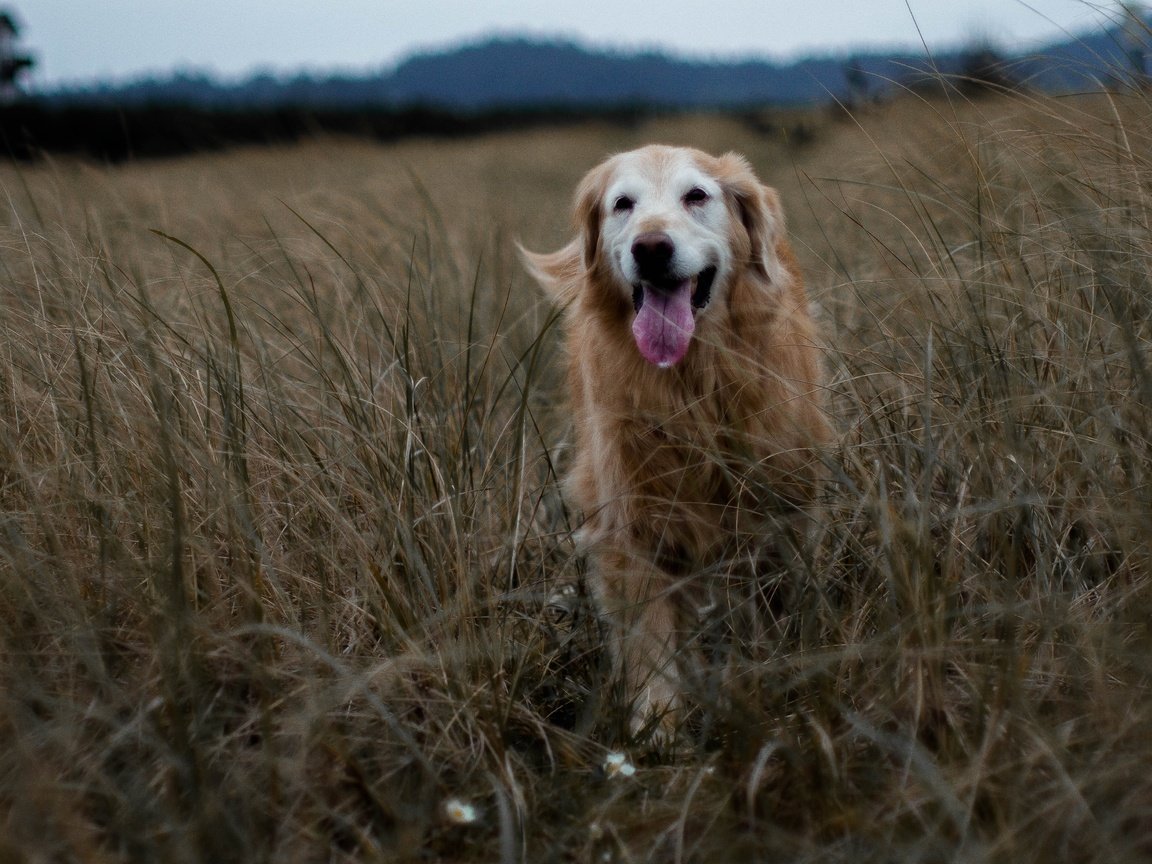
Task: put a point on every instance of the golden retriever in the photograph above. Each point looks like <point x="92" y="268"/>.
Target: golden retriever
<point x="695" y="386"/>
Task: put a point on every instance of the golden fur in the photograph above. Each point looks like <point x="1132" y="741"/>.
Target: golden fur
<point x="671" y="463"/>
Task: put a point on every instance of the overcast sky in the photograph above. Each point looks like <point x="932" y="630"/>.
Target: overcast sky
<point x="76" y="40"/>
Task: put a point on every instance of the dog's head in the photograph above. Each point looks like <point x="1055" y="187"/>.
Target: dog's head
<point x="663" y="232"/>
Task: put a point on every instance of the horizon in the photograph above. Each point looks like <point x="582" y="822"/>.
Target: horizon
<point x="232" y="45"/>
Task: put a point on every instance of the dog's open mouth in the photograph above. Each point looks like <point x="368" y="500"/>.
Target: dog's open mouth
<point x="666" y="315"/>
<point x="701" y="294"/>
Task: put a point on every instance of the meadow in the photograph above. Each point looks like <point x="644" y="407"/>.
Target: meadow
<point x="286" y="572"/>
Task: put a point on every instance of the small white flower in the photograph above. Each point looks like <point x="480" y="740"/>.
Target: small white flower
<point x="460" y="812"/>
<point x="617" y="765"/>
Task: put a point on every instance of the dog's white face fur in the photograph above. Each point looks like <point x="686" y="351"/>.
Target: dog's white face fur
<point x="666" y="235"/>
<point x="668" y="229"/>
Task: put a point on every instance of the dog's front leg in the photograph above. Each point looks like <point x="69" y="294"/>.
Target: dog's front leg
<point x="637" y="599"/>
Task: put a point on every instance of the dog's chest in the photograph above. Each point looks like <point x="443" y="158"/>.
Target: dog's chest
<point x="690" y="448"/>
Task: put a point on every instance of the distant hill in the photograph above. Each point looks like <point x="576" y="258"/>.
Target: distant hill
<point x="518" y="72"/>
<point x="1103" y="58"/>
<point x="522" y="73"/>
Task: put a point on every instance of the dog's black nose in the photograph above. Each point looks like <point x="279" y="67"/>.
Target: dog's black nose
<point x="653" y="253"/>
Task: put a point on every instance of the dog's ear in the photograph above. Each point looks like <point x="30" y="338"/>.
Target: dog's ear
<point x="559" y="273"/>
<point x="589" y="211"/>
<point x="759" y="211"/>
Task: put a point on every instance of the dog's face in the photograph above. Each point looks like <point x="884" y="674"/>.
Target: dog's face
<point x="666" y="230"/>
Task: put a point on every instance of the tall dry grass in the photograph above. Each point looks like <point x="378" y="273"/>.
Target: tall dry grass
<point x="285" y="568"/>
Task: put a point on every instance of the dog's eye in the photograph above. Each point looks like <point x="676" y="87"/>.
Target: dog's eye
<point x="623" y="204"/>
<point x="695" y="195"/>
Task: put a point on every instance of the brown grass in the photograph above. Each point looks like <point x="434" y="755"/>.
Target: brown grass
<point x="284" y="567"/>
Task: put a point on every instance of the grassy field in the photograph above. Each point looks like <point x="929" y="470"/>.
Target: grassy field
<point x="286" y="575"/>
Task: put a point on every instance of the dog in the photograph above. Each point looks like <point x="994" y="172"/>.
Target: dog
<point x="695" y="385"/>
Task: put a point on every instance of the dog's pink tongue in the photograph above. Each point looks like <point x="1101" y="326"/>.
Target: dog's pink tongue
<point x="663" y="326"/>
